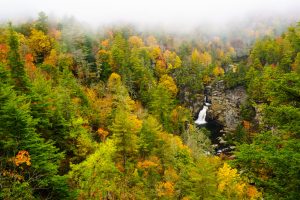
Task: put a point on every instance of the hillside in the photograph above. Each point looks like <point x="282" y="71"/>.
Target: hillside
<point x="111" y="114"/>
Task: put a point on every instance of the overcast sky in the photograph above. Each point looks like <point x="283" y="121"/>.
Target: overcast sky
<point x="148" y="12"/>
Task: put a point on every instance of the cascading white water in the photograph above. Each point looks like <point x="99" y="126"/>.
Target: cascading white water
<point x="201" y="116"/>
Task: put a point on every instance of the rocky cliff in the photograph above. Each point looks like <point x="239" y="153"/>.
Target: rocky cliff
<point x="226" y="104"/>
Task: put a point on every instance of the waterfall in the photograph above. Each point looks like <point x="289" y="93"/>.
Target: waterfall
<point x="202" y="113"/>
<point x="206" y="102"/>
<point x="201" y="116"/>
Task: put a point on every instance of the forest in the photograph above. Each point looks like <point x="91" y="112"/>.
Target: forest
<point x="110" y="114"/>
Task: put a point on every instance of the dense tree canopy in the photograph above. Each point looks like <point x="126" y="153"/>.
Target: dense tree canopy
<point x="110" y="115"/>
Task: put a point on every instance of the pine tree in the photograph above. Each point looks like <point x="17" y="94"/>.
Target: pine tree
<point x="161" y="104"/>
<point x="38" y="175"/>
<point x="125" y="128"/>
<point x="119" y="53"/>
<point x="14" y="61"/>
<point x="42" y="23"/>
<point x="149" y="136"/>
<point x="97" y="176"/>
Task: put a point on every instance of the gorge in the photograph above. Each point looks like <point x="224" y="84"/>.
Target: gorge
<point x="220" y="114"/>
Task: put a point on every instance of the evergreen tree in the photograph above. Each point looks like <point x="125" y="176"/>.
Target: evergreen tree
<point x="29" y="163"/>
<point x="161" y="104"/>
<point x="42" y="23"/>
<point x="125" y="129"/>
<point x="14" y="61"/>
<point x="119" y="53"/>
<point x="265" y="162"/>
<point x="149" y="136"/>
<point x="97" y="176"/>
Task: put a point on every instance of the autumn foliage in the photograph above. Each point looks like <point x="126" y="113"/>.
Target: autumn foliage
<point x="233" y="186"/>
<point x="109" y="114"/>
<point x="22" y="157"/>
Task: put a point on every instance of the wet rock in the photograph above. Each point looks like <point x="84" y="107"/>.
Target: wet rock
<point x="226" y="105"/>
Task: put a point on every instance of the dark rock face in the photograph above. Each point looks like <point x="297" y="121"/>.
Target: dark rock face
<point x="223" y="114"/>
<point x="226" y="105"/>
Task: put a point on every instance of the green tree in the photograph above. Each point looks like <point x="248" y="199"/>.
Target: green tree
<point x="148" y="137"/>
<point x="286" y="56"/>
<point x="141" y="76"/>
<point x="293" y="36"/>
<point x="198" y="141"/>
<point x="266" y="51"/>
<point x="265" y="163"/>
<point x="42" y="23"/>
<point x="296" y="64"/>
<point x="103" y="59"/>
<point x="14" y="61"/>
<point x="199" y="180"/>
<point x="125" y="128"/>
<point x="161" y="104"/>
<point x="97" y="177"/>
<point x="39" y="177"/>
<point x="119" y="52"/>
<point x="189" y="80"/>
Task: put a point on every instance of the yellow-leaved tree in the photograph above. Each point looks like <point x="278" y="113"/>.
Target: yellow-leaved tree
<point x="151" y="41"/>
<point x="40" y="44"/>
<point x="218" y="71"/>
<point x="195" y="58"/>
<point x="135" y="41"/>
<point x="155" y="53"/>
<point x="205" y="58"/>
<point x="160" y="67"/>
<point x="114" y="82"/>
<point x="52" y="59"/>
<point x="165" y="189"/>
<point x="167" y="82"/>
<point x="233" y="187"/>
<point x="173" y="61"/>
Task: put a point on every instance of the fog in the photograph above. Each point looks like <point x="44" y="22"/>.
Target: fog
<point x="171" y="14"/>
